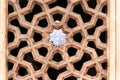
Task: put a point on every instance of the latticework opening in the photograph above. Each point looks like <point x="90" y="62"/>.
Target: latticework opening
<point x="32" y="52"/>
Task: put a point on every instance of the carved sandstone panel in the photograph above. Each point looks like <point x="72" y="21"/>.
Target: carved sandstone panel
<point x="31" y="55"/>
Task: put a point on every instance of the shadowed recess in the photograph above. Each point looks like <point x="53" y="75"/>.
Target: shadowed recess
<point x="16" y="23"/>
<point x="57" y="16"/>
<point x="43" y="23"/>
<point x="22" y="71"/>
<point x="98" y="51"/>
<point x="71" y="51"/>
<point x="10" y="8"/>
<point x="23" y="3"/>
<point x="57" y="57"/>
<point x="10" y="65"/>
<point x="10" y="36"/>
<point x="104" y="9"/>
<point x="98" y="24"/>
<point x="78" y="65"/>
<point x="29" y="58"/>
<point x="43" y="51"/>
<point x="104" y="65"/>
<point x="36" y="9"/>
<point x="77" y="37"/>
<point x="61" y="3"/>
<point x="92" y="71"/>
<point x="79" y="10"/>
<point x="71" y="23"/>
<point x="104" y="78"/>
<point x="40" y="78"/>
<point x="53" y="73"/>
<point x="92" y="3"/>
<point x="103" y="37"/>
<point x="15" y="51"/>
<point x="10" y="79"/>
<point x="37" y="37"/>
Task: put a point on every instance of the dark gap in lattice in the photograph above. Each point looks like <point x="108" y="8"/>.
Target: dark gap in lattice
<point x="10" y="79"/>
<point x="104" y="78"/>
<point x="22" y="71"/>
<point x="79" y="10"/>
<point x="61" y="3"/>
<point x="23" y="3"/>
<point x="43" y="23"/>
<point x="29" y="58"/>
<point x="10" y="8"/>
<point x="43" y="51"/>
<point x="40" y="78"/>
<point x="57" y="57"/>
<point x="37" y="37"/>
<point x="36" y="9"/>
<point x="71" y="23"/>
<point x="104" y="9"/>
<point x="77" y="37"/>
<point x="103" y="37"/>
<point x="98" y="51"/>
<point x="71" y="51"/>
<point x="53" y="73"/>
<point x="92" y="3"/>
<point x="92" y="71"/>
<point x="57" y="16"/>
<point x="71" y="78"/>
<point x="92" y="30"/>
<point x="11" y="36"/>
<point x="10" y="65"/>
<point x="15" y="51"/>
<point x="16" y="23"/>
<point x="78" y="65"/>
<point x="104" y="65"/>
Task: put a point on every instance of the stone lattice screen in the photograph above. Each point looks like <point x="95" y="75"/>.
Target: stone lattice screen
<point x="82" y="57"/>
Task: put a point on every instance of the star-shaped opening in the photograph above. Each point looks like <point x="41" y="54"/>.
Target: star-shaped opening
<point x="57" y="37"/>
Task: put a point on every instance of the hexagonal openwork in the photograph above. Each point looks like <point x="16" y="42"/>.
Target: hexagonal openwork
<point x="57" y="40"/>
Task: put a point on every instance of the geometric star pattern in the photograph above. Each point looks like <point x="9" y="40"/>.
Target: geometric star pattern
<point x="30" y="54"/>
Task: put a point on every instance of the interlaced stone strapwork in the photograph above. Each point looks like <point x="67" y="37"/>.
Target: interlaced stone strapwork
<point x="83" y="55"/>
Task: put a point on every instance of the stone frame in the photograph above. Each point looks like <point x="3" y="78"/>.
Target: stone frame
<point x="113" y="41"/>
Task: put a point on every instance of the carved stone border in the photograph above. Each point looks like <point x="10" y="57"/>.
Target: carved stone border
<point x="3" y="41"/>
<point x="112" y="49"/>
<point x="117" y="40"/>
<point x="111" y="43"/>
